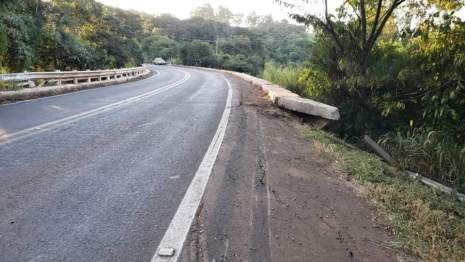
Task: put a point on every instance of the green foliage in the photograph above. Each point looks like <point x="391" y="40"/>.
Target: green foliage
<point x="431" y="153"/>
<point x="380" y="78"/>
<point x="206" y="12"/>
<point x="195" y="50"/>
<point x="238" y="63"/>
<point x="39" y="35"/>
<point x="158" y="46"/>
<point x="79" y="34"/>
<point x="362" y="63"/>
<point x="17" y="28"/>
<point x="288" y="77"/>
<point x="299" y="80"/>
<point x="284" y="42"/>
<point x="11" y="85"/>
<point x="436" y="74"/>
<point x="3" y="47"/>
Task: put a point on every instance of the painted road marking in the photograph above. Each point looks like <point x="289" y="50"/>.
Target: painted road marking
<point x="10" y="138"/>
<point x="166" y="252"/>
<point x="177" y="231"/>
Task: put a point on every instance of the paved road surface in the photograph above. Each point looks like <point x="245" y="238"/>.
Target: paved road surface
<point x="98" y="175"/>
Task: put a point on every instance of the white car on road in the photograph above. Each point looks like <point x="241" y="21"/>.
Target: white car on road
<point x="159" y="61"/>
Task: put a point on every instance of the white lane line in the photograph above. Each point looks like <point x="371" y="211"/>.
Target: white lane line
<point x="10" y="138"/>
<point x="77" y="92"/>
<point x="177" y="231"/>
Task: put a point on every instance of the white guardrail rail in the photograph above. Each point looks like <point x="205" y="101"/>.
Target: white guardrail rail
<point x="59" y="78"/>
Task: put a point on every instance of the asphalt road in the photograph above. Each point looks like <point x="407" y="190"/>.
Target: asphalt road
<point x="98" y="175"/>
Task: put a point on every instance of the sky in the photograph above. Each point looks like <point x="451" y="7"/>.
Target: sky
<point x="182" y="8"/>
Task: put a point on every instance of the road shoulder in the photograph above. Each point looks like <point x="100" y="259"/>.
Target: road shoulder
<point x="269" y="198"/>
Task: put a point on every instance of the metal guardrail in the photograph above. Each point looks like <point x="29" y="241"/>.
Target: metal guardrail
<point x="38" y="79"/>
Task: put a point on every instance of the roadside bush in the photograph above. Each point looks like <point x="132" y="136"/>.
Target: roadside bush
<point x="10" y="85"/>
<point x="238" y="63"/>
<point x="431" y="153"/>
<point x="191" y="51"/>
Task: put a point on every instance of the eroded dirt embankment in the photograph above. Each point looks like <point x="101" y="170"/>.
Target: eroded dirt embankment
<point x="269" y="198"/>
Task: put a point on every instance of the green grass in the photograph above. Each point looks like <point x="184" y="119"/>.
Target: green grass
<point x="300" y="80"/>
<point x="429" y="153"/>
<point x="290" y="78"/>
<point x="428" y="224"/>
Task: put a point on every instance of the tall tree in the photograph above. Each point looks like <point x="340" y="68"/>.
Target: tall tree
<point x="237" y="19"/>
<point x="18" y="33"/>
<point x="435" y="74"/>
<point x="266" y="21"/>
<point x="206" y="12"/>
<point x="252" y="20"/>
<point x="224" y="15"/>
<point x="196" y="51"/>
<point x="352" y="32"/>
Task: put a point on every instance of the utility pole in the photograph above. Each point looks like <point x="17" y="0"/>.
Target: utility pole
<point x="217" y="38"/>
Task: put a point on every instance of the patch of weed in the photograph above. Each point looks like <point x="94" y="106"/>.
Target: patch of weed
<point x="428" y="224"/>
<point x="10" y="85"/>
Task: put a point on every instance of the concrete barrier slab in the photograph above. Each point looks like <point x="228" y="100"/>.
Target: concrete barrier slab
<point x="308" y="106"/>
<point x="288" y="100"/>
<point x="275" y="92"/>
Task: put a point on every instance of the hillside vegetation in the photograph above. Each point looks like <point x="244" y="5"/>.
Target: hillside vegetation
<point x="396" y="71"/>
<point x="37" y="35"/>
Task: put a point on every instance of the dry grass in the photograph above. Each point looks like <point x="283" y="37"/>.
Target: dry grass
<point x="10" y="86"/>
<point x="428" y="224"/>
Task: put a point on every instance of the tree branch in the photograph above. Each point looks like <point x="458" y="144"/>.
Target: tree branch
<point x="375" y="25"/>
<point x="384" y="21"/>
<point x="363" y="14"/>
<point x="353" y="8"/>
<point x="331" y="30"/>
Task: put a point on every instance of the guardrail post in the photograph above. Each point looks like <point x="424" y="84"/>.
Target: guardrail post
<point x="31" y="83"/>
<point x="75" y="81"/>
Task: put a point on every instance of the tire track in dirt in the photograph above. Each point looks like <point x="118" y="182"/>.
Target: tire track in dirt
<point x="270" y="198"/>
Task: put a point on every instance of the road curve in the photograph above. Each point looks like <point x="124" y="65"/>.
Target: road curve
<point x="98" y="175"/>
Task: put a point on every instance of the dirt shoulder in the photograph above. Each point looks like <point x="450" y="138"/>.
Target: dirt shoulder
<point x="269" y="198"/>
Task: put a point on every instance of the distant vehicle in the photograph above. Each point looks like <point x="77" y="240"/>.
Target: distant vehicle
<point x="159" y="61"/>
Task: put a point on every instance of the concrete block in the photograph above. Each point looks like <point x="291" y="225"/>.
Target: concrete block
<point x="275" y="92"/>
<point x="308" y="106"/>
<point x="288" y="100"/>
